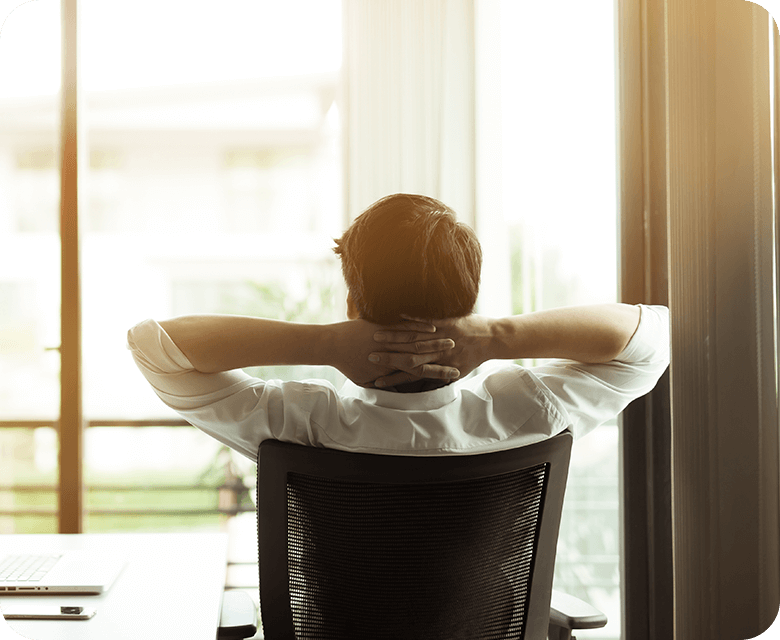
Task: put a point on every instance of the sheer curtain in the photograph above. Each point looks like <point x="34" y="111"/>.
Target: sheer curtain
<point x="421" y="100"/>
<point x="409" y="101"/>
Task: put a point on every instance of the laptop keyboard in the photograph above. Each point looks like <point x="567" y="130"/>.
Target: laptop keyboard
<point x="26" y="568"/>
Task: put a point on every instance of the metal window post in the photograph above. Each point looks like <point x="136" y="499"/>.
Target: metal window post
<point x="71" y="427"/>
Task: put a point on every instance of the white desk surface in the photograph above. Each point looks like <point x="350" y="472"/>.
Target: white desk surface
<point x="171" y="587"/>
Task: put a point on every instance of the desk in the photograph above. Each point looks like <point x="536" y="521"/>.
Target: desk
<point x="171" y="587"/>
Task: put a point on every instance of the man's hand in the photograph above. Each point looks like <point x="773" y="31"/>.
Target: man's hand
<point x="471" y="337"/>
<point x="417" y="356"/>
<point x="588" y="334"/>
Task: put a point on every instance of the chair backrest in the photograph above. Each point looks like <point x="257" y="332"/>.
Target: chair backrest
<point x="355" y="545"/>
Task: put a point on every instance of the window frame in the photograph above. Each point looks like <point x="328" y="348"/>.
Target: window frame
<point x="72" y="161"/>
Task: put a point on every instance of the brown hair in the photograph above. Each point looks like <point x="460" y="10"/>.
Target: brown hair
<point x="407" y="254"/>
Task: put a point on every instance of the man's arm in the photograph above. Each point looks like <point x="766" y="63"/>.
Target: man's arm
<point x="588" y="334"/>
<point x="216" y="343"/>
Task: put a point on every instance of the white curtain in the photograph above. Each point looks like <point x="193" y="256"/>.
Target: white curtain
<point x="421" y="100"/>
<point x="409" y="101"/>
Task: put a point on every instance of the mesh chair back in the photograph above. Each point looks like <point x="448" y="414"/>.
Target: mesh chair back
<point x="367" y="546"/>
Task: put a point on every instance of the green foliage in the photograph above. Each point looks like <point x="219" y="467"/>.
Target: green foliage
<point x="271" y="300"/>
<point x="516" y="261"/>
<point x="318" y="304"/>
<point x="540" y="282"/>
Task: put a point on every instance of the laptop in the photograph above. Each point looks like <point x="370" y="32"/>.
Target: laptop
<point x="58" y="572"/>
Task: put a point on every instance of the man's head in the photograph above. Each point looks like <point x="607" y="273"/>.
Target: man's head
<point x="407" y="254"/>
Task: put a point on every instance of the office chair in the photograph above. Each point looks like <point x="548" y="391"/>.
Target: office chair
<point x="369" y="546"/>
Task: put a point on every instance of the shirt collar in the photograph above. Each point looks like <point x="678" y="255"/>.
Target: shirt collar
<point x="424" y="400"/>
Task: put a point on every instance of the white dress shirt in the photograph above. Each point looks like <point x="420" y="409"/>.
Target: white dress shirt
<point x="500" y="406"/>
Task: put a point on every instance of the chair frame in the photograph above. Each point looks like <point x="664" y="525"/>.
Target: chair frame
<point x="277" y="459"/>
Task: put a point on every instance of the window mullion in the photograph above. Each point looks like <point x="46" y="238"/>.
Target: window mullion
<point x="71" y="427"/>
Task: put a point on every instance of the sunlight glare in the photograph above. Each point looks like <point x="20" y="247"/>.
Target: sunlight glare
<point x="164" y="42"/>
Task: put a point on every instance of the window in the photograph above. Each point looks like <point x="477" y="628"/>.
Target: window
<point x="204" y="164"/>
<point x="106" y="210"/>
<point x="559" y="205"/>
<point x="214" y="184"/>
<point x="36" y="190"/>
<point x="29" y="267"/>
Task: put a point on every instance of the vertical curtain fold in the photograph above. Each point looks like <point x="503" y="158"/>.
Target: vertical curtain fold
<point x="708" y="62"/>
<point x="645" y="425"/>
<point x="409" y="101"/>
<point x="765" y="267"/>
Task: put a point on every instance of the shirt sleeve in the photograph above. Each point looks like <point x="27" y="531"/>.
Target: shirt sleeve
<point x="171" y="374"/>
<point x="591" y="394"/>
<point x="237" y="409"/>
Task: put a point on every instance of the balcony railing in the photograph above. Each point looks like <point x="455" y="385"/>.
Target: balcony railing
<point x="229" y="495"/>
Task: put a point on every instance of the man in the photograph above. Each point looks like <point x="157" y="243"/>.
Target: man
<point x="412" y="275"/>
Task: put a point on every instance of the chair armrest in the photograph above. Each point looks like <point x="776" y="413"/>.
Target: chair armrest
<point x="569" y="612"/>
<point x="238" y="619"/>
